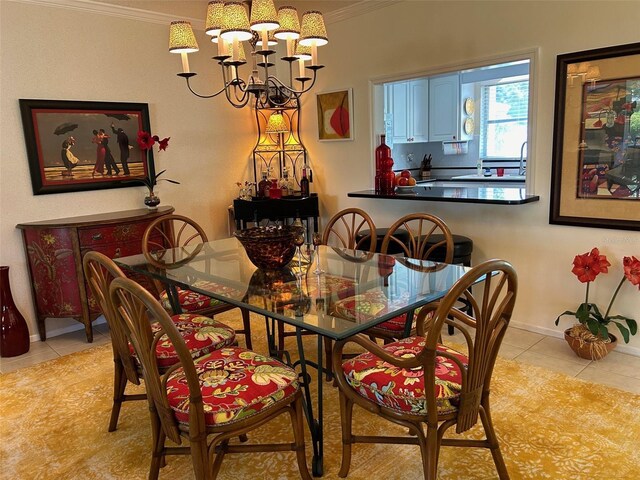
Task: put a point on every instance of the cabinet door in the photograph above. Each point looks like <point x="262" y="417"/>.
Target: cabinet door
<point x="399" y="103"/>
<point x="444" y="104"/>
<point x="419" y="110"/>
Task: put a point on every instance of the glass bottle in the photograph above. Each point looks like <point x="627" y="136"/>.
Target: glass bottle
<point x="388" y="177"/>
<point x="286" y="183"/>
<point x="262" y="185"/>
<point x="304" y="184"/>
<point x="382" y="151"/>
<point x="275" y="191"/>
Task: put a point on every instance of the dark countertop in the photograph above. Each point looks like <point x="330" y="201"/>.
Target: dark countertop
<point x="491" y="195"/>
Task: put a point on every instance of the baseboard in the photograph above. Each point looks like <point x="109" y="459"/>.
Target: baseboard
<point x="67" y="329"/>
<point x="559" y="333"/>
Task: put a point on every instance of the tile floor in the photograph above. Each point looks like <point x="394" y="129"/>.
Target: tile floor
<point x="617" y="369"/>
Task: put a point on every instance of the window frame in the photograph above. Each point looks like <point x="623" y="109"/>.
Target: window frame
<point x="484" y="122"/>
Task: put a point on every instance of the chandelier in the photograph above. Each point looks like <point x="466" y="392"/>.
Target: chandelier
<point x="230" y="27"/>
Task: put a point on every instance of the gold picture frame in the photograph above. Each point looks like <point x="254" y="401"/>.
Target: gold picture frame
<point x="335" y="115"/>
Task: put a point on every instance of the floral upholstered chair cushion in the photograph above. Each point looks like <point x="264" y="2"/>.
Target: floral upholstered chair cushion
<point x="202" y="335"/>
<point x="236" y="383"/>
<point x="401" y="389"/>
<point x="192" y="302"/>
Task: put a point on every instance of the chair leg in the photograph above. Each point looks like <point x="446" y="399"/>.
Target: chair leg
<point x="200" y="459"/>
<point x="432" y="445"/>
<point x="494" y="446"/>
<point x="246" y="326"/>
<point x="217" y="462"/>
<point x="119" y="385"/>
<point x="157" y="445"/>
<point x="298" y="432"/>
<point x="346" y="416"/>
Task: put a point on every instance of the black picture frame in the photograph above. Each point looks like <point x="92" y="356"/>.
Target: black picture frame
<point x="583" y="145"/>
<point x="48" y="125"/>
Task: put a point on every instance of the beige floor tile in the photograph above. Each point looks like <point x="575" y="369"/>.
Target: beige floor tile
<point x="35" y="348"/>
<point x="509" y="351"/>
<point x="521" y="338"/>
<point x="557" y="348"/>
<point x="103" y="328"/>
<point x="567" y="367"/>
<point x="599" y="375"/>
<point x="73" y="347"/>
<point x="618" y="363"/>
<point x="27" y="361"/>
<point x="71" y="338"/>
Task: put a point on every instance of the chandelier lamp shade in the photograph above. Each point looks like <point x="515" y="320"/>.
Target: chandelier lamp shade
<point x="230" y="26"/>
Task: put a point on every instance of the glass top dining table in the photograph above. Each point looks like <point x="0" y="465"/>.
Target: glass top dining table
<point x="334" y="292"/>
<point x="355" y="291"/>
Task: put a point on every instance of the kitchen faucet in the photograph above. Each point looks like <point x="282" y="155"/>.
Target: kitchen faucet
<point x="521" y="170"/>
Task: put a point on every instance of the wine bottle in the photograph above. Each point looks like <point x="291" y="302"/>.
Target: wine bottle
<point x="304" y="184"/>
<point x="382" y="152"/>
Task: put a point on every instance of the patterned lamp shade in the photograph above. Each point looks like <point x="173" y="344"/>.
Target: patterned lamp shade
<point x="289" y="24"/>
<point x="263" y="15"/>
<point x="235" y="22"/>
<point x="313" y="31"/>
<point x="181" y="38"/>
<point x="277" y="124"/>
<point x="302" y="52"/>
<point x="213" y="24"/>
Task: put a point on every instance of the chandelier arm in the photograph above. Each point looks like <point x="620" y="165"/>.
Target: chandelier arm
<point x="205" y="96"/>
<point x="281" y="86"/>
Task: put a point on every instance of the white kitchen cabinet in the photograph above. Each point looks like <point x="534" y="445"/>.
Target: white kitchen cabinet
<point x="408" y="103"/>
<point x="444" y="108"/>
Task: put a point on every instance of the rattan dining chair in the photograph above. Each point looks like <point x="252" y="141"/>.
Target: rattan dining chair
<point x="442" y="387"/>
<point x="172" y="240"/>
<point x="224" y="394"/>
<point x="202" y="334"/>
<point x="418" y="231"/>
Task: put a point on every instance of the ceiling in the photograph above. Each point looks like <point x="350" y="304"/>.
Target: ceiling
<point x="198" y="8"/>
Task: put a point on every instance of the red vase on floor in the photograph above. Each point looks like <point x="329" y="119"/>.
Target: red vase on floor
<point x="14" y="334"/>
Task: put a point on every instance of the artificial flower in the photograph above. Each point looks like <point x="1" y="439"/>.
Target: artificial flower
<point x="587" y="267"/>
<point x="146" y="141"/>
<point x="632" y="270"/>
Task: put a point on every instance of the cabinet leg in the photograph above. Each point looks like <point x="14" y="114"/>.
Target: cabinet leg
<point x="41" y="329"/>
<point x="89" y="331"/>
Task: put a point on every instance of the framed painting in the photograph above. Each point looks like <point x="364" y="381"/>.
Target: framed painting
<point x="335" y="115"/>
<point x="74" y="146"/>
<point x="595" y="179"/>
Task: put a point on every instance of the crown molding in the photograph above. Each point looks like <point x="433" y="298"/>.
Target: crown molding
<point x="90" y="6"/>
<point x="129" y="13"/>
<point x="359" y="8"/>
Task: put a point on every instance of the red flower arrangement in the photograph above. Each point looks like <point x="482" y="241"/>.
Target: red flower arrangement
<point x="146" y="142"/>
<point x="587" y="267"/>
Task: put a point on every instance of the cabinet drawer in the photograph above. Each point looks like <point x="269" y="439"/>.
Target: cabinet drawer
<point x="106" y="235"/>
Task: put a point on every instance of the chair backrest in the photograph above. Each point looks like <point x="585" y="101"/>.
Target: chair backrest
<point x="135" y="309"/>
<point x="484" y="328"/>
<point x="171" y="240"/>
<point x="343" y="229"/>
<point x="99" y="270"/>
<point x="421" y="228"/>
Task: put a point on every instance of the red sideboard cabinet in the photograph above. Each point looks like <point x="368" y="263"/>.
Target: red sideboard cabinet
<point x="55" y="248"/>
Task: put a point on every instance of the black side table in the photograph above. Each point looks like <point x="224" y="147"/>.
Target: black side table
<point x="280" y="209"/>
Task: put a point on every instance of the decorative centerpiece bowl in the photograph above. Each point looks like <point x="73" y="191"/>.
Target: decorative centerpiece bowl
<point x="269" y="247"/>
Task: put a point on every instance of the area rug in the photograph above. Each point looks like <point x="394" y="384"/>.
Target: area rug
<point x="54" y="420"/>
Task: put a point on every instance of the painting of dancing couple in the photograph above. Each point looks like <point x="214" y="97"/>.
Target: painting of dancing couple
<point x="75" y="146"/>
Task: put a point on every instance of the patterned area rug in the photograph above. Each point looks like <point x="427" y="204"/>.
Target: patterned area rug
<point x="54" y="416"/>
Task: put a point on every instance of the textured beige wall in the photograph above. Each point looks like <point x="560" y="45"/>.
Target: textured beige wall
<point x="423" y="36"/>
<point x="59" y="53"/>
